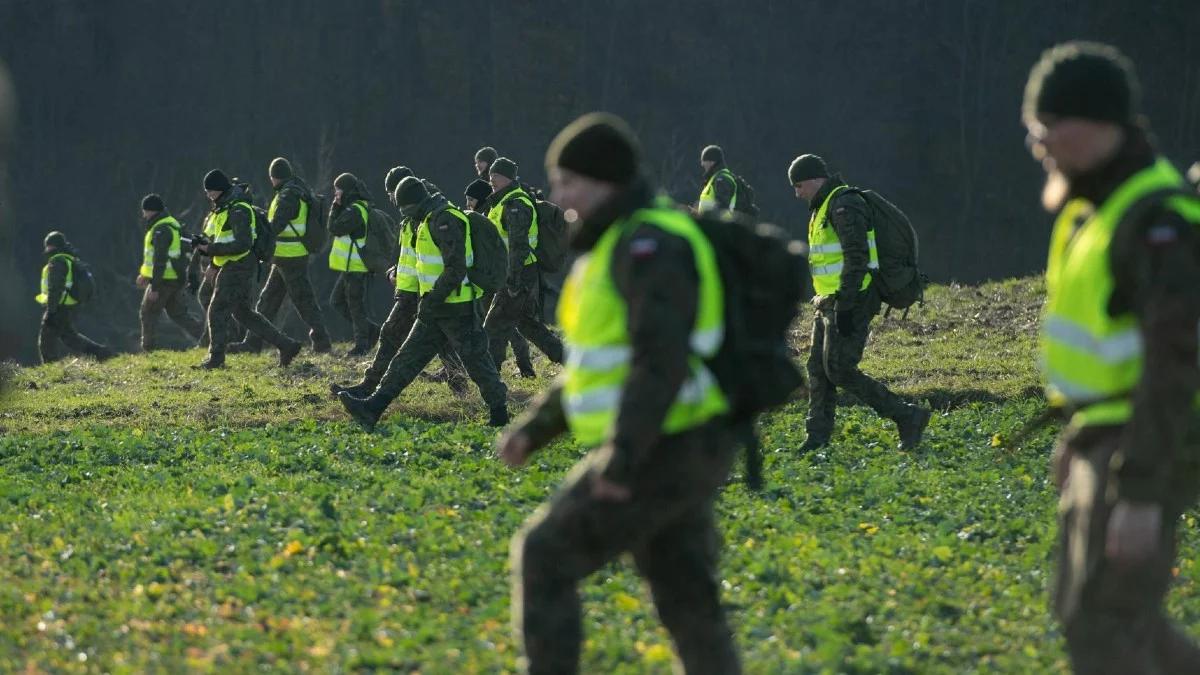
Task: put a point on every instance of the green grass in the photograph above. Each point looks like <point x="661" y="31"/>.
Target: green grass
<point x="157" y="518"/>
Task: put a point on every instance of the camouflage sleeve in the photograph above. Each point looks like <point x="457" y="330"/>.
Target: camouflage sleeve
<point x="656" y="274"/>
<point x="346" y="220"/>
<point x="286" y="210"/>
<point x="517" y="218"/>
<point x="848" y="214"/>
<point x="239" y="221"/>
<point x="161" y="241"/>
<point x="1159" y="272"/>
<point x="56" y="284"/>
<point x="724" y="188"/>
<point x="544" y="420"/>
<point x="450" y="236"/>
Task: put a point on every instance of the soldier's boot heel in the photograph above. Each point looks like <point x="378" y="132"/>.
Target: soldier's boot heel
<point x="498" y="416"/>
<point x="215" y="360"/>
<point x="288" y="353"/>
<point x="361" y="390"/>
<point x="912" y="427"/>
<point x="320" y="342"/>
<point x="366" y="412"/>
<point x="812" y="443"/>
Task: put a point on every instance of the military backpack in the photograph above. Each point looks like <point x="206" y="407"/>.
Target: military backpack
<point x="899" y="279"/>
<point x="489" y="270"/>
<point x="551" y="249"/>
<point x="382" y="247"/>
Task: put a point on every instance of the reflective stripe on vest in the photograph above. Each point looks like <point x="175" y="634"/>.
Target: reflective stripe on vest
<point x="825" y="259"/>
<point x="173" y="253"/>
<point x="215" y="228"/>
<point x="1092" y="361"/>
<point x="345" y="254"/>
<point x="288" y="244"/>
<point x="428" y="258"/>
<point x="496" y="215"/>
<point x="44" y="296"/>
<point x="593" y="316"/>
<point x="406" y="265"/>
<point x="708" y="196"/>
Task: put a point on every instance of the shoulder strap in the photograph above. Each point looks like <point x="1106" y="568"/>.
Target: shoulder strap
<point x="1149" y="202"/>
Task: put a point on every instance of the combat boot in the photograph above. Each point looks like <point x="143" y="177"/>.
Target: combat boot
<point x="498" y="416"/>
<point x="912" y="427"/>
<point x="361" y="390"/>
<point x="320" y="342"/>
<point x="365" y="411"/>
<point x="359" y="349"/>
<point x="251" y="345"/>
<point x="288" y="353"/>
<point x="215" y="360"/>
<point x="812" y="443"/>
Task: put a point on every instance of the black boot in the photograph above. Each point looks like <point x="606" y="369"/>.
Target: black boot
<point x="498" y="416"/>
<point x="912" y="427"/>
<point x="251" y="345"/>
<point x="215" y="360"/>
<point x="361" y="390"/>
<point x="365" y="411"/>
<point x="320" y="342"/>
<point x="288" y="353"/>
<point x="813" y="443"/>
<point x="360" y="349"/>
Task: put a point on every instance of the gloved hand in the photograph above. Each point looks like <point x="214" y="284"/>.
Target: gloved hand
<point x="845" y="322"/>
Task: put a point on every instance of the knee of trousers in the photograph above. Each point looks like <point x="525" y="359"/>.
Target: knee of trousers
<point x="535" y="555"/>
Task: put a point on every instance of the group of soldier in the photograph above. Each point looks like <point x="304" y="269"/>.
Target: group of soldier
<point x="638" y="314"/>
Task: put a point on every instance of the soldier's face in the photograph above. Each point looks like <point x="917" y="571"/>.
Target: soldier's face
<point x="471" y="203"/>
<point x="807" y="189"/>
<point x="276" y="182"/>
<point x="706" y="165"/>
<point x="337" y="195"/>
<point x="481" y="167"/>
<point x="147" y="215"/>
<point x="1072" y="146"/>
<point x="579" y="196"/>
<point x="212" y="195"/>
<point x="499" y="182"/>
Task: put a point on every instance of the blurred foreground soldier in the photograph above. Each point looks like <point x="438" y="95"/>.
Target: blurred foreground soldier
<point x="446" y="312"/>
<point x="842" y="259"/>
<point x="400" y="319"/>
<point x="512" y="210"/>
<point x="62" y="293"/>
<point x="348" y="220"/>
<point x="162" y="274"/>
<point x="290" y="214"/>
<point x="476" y="199"/>
<point x="640" y="310"/>
<point x="483" y="161"/>
<point x="720" y="186"/>
<point x="230" y="229"/>
<point x="1119" y="348"/>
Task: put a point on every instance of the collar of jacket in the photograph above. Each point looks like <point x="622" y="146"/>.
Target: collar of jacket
<point x="1135" y="154"/>
<point x="832" y="183"/>
<point x="585" y="234"/>
<point x="157" y="218"/>
<point x="497" y="195"/>
<point x="427" y="206"/>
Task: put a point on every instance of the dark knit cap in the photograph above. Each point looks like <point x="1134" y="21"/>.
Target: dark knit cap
<point x="479" y="190"/>
<point x="598" y="145"/>
<point x="280" y="169"/>
<point x="55" y="241"/>
<point x="216" y="180"/>
<point x="505" y="167"/>
<point x="712" y="153"/>
<point x="153" y="202"/>
<point x="410" y="192"/>
<point x="807" y="167"/>
<point x="486" y="154"/>
<point x="1086" y="80"/>
<point x="346" y="182"/>
<point x="394" y="176"/>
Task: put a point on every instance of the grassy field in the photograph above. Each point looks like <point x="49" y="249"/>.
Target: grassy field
<point x="158" y="518"/>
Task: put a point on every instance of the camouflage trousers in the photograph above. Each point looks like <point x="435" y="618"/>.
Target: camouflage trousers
<point x="667" y="525"/>
<point x="520" y="346"/>
<point x="58" y="331"/>
<point x="392" y="334"/>
<point x="349" y="298"/>
<point x="204" y="294"/>
<point x="520" y="312"/>
<point x="455" y="328"/>
<point x="1112" y="615"/>
<point x="833" y="362"/>
<point x="232" y="289"/>
<point x="170" y="298"/>
<point x="289" y="279"/>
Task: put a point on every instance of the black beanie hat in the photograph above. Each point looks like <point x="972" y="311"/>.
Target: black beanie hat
<point x="346" y="182"/>
<point x="598" y="145"/>
<point x="410" y="192"/>
<point x="153" y="202"/>
<point x="807" y="167"/>
<point x="1086" y="80"/>
<point x="216" y="180"/>
<point x="486" y="154"/>
<point x="478" y="190"/>
<point x="712" y="153"/>
<point x="505" y="167"/>
<point x="55" y="240"/>
<point x="280" y="169"/>
<point x="394" y="176"/>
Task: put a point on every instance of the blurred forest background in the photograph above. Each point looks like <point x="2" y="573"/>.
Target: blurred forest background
<point x="916" y="98"/>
